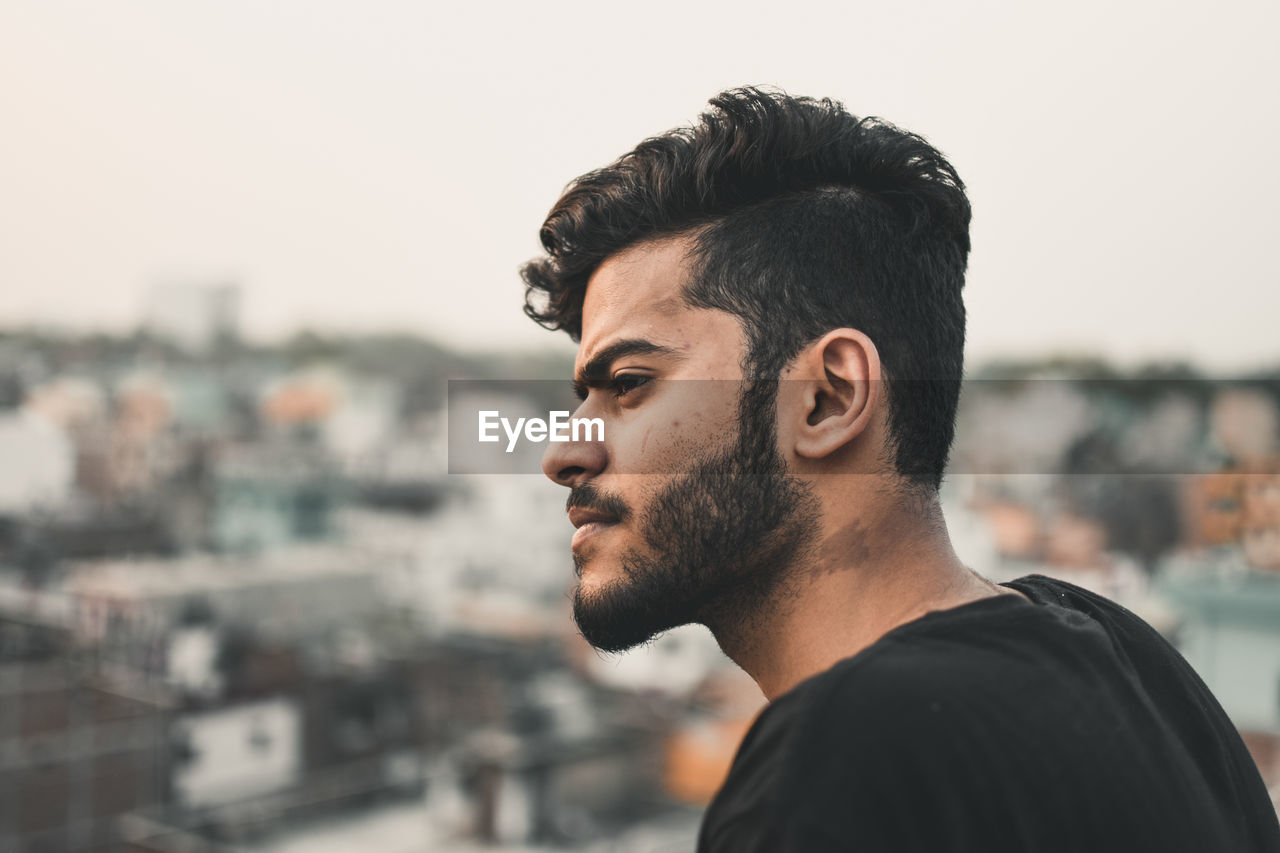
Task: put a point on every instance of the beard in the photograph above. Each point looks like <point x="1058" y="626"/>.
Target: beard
<point x="720" y="539"/>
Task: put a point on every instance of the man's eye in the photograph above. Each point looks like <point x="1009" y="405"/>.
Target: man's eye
<point x="625" y="383"/>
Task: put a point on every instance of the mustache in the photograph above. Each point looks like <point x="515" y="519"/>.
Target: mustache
<point x="588" y="496"/>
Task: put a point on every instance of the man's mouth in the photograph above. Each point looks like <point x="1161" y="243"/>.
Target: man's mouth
<point x="589" y="523"/>
<point x="580" y="515"/>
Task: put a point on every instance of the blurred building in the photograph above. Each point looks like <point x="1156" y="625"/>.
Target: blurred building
<point x="1230" y="634"/>
<point x="270" y="495"/>
<point x="39" y="469"/>
<point x="79" y="748"/>
<point x="193" y="315"/>
<point x="1239" y="506"/>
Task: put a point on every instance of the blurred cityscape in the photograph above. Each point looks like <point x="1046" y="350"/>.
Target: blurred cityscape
<point x="244" y="606"/>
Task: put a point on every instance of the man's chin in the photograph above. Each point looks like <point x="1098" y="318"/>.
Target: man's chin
<point x="615" y="617"/>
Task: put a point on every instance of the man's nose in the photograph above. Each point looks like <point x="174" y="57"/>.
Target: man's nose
<point x="572" y="462"/>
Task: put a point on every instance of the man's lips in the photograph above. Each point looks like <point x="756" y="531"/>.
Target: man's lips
<point x="589" y="523"/>
<point x="578" y="516"/>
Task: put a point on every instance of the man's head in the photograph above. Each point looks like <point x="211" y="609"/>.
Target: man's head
<point x="774" y="230"/>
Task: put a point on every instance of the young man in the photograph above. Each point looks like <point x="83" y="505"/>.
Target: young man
<point x="769" y="312"/>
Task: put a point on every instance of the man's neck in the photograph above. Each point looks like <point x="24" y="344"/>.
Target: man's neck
<point x="867" y="577"/>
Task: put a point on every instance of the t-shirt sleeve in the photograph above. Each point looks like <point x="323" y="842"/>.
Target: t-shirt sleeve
<point x="872" y="776"/>
<point x="815" y="789"/>
<point x="743" y="818"/>
<point x="749" y="832"/>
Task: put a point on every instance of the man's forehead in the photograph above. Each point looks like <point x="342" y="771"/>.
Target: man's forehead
<point x="635" y="293"/>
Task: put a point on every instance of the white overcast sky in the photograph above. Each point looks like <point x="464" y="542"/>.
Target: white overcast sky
<point x="361" y="165"/>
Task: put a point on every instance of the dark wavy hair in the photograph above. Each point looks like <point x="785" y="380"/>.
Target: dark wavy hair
<point x="805" y="218"/>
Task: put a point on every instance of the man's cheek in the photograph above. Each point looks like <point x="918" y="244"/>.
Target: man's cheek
<point x="639" y="449"/>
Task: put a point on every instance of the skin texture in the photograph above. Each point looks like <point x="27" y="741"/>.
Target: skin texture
<point x="777" y="522"/>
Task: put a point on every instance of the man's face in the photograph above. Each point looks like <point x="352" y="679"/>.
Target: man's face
<point x="686" y="511"/>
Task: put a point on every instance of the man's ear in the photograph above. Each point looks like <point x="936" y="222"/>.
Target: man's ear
<point x="840" y="390"/>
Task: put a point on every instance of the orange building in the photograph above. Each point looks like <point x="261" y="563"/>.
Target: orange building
<point x="1240" y="505"/>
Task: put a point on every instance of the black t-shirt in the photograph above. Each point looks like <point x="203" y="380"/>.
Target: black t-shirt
<point x="1067" y="724"/>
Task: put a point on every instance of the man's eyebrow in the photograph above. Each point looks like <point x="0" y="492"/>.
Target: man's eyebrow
<point x="596" y="371"/>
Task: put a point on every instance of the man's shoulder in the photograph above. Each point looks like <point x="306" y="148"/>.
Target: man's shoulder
<point x="977" y="647"/>
<point x="1003" y="650"/>
<point x="1004" y="721"/>
<point x="913" y="691"/>
<point x="867" y="730"/>
<point x="993" y="649"/>
<point x="942" y="691"/>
